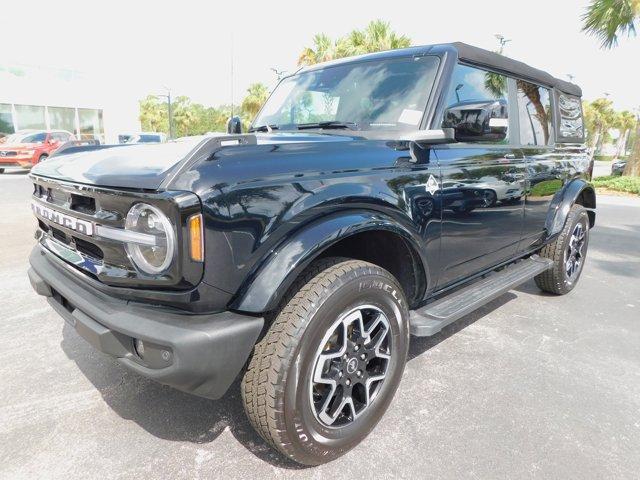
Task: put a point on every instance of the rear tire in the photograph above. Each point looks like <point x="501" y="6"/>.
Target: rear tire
<point x="568" y="252"/>
<point x="306" y="367"/>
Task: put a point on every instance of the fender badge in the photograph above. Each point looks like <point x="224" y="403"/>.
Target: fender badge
<point x="432" y="185"/>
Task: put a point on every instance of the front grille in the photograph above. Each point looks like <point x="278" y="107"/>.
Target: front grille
<point x="83" y="204"/>
<point x="88" y="248"/>
<point x="106" y="259"/>
<point x="59" y="235"/>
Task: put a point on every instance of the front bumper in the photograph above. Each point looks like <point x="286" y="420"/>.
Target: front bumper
<point x="8" y="165"/>
<point x="199" y="354"/>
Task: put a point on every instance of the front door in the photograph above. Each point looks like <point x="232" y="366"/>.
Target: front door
<point x="482" y="185"/>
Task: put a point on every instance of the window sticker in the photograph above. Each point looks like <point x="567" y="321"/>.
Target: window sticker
<point x="410" y="117"/>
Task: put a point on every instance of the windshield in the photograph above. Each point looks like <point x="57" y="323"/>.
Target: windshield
<point x="381" y="94"/>
<point x="26" y="138"/>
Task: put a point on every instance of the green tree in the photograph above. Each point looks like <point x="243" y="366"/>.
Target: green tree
<point x="153" y="115"/>
<point x="375" y="37"/>
<point x="625" y="122"/>
<point x="257" y="94"/>
<point x="607" y="20"/>
<point x="323" y="49"/>
<point x="599" y="117"/>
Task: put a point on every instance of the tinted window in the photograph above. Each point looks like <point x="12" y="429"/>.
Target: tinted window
<point x="149" y="139"/>
<point x="571" y="124"/>
<point x="36" y="138"/>
<point x="60" y="136"/>
<point x="534" y="111"/>
<point x="470" y="86"/>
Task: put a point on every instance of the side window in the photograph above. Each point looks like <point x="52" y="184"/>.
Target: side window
<point x="534" y="111"/>
<point x="472" y="88"/>
<point x="571" y="123"/>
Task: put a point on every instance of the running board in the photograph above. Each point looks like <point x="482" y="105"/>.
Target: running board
<point x="433" y="317"/>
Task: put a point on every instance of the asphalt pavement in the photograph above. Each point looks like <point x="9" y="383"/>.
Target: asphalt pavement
<point x="530" y="386"/>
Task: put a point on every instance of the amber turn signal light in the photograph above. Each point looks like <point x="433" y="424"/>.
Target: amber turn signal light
<point x="196" y="238"/>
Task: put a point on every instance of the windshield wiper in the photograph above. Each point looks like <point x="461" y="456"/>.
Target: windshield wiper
<point x="330" y="124"/>
<point x="264" y="128"/>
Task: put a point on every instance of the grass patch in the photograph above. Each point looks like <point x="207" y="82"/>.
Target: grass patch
<point x="621" y="184"/>
<point x="548" y="187"/>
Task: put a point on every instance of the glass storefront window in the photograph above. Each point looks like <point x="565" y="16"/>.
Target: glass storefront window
<point x="61" y="118"/>
<point x="91" y="124"/>
<point x="30" y="116"/>
<point x="6" y="120"/>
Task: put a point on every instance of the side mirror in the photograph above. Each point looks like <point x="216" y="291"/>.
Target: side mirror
<point x="478" y="121"/>
<point x="234" y="125"/>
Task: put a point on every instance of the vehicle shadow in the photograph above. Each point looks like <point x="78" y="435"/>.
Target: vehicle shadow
<point x="176" y="416"/>
<point x="163" y="411"/>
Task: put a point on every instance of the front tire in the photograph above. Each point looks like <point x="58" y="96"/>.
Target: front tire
<point x="329" y="365"/>
<point x="568" y="252"/>
<point x="43" y="157"/>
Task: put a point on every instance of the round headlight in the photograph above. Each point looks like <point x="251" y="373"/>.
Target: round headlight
<point x="155" y="254"/>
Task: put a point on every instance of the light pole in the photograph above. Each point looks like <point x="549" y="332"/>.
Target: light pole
<point x="168" y="97"/>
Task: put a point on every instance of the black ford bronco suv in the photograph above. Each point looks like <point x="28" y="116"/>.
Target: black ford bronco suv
<point x="374" y="198"/>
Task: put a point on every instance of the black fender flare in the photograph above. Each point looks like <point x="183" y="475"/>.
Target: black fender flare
<point x="562" y="202"/>
<point x="263" y="290"/>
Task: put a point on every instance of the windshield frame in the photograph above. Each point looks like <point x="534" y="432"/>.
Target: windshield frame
<point x="427" y="112"/>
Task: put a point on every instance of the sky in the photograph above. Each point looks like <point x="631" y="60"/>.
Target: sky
<point x="141" y="47"/>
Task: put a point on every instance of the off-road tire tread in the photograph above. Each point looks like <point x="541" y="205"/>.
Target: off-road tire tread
<point x="263" y="383"/>
<point x="552" y="280"/>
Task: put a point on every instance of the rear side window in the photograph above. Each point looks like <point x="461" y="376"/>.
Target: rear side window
<point x="472" y="87"/>
<point x="534" y="111"/>
<point x="571" y="123"/>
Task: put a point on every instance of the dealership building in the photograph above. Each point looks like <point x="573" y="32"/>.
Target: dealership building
<point x="45" y="98"/>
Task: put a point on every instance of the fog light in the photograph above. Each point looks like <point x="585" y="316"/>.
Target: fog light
<point x="139" y="347"/>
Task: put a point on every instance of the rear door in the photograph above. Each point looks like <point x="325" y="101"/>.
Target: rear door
<point x="546" y="169"/>
<point x="482" y="184"/>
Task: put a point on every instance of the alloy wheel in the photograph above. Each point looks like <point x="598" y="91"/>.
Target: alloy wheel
<point x="574" y="254"/>
<point x="350" y="366"/>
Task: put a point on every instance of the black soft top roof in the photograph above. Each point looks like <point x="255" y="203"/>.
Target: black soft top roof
<point x="468" y="53"/>
<point x="496" y="61"/>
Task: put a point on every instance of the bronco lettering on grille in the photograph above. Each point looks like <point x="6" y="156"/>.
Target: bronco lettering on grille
<point x="67" y="221"/>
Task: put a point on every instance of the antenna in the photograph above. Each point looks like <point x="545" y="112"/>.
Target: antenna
<point x="231" y="74"/>
<point x="279" y="73"/>
<point x="502" y="41"/>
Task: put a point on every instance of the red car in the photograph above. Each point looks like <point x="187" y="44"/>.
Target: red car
<point x="25" y="148"/>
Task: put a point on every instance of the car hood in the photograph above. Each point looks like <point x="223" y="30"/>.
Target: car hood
<point x="145" y="166"/>
<point x="18" y="146"/>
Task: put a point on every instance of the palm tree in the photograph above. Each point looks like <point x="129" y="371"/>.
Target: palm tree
<point x="257" y="94"/>
<point x="599" y="117"/>
<point x="323" y="49"/>
<point x="375" y="37"/>
<point x="607" y="20"/>
<point x="624" y="122"/>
